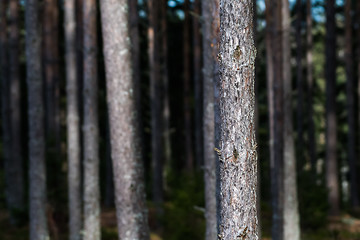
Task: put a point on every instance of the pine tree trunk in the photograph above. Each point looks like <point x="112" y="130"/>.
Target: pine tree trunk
<point x="291" y="209"/>
<point x="330" y="67"/>
<point x="197" y="84"/>
<point x="310" y="83"/>
<point x="37" y="172"/>
<point x="350" y="95"/>
<point x="125" y="143"/>
<point x="90" y="127"/>
<point x="187" y="109"/>
<point x="211" y="25"/>
<point x="238" y="164"/>
<point x="72" y="122"/>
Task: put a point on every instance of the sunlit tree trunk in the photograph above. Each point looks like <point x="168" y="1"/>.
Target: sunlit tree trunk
<point x="350" y="95"/>
<point x="238" y="164"/>
<point x="90" y="126"/>
<point x="72" y="122"/>
<point x="291" y="209"/>
<point x="210" y="27"/>
<point x="130" y="201"/>
<point x="330" y="67"/>
<point x="37" y="175"/>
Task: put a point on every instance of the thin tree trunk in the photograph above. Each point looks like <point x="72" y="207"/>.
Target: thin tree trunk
<point x="187" y="109"/>
<point x="37" y="172"/>
<point x="350" y="95"/>
<point x="211" y="25"/>
<point x="299" y="78"/>
<point x="125" y="143"/>
<point x="72" y="120"/>
<point x="90" y="128"/>
<point x="238" y="166"/>
<point x="310" y="83"/>
<point x="197" y="84"/>
<point x="291" y="209"/>
<point x="156" y="104"/>
<point x="330" y="66"/>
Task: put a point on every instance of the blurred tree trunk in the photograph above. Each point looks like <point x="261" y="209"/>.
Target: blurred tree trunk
<point x="291" y="209"/>
<point x="80" y="60"/>
<point x="350" y="95"/>
<point x="310" y="83"/>
<point x="90" y="127"/>
<point x="37" y="172"/>
<point x="125" y="142"/>
<point x="109" y="185"/>
<point x="238" y="166"/>
<point x="210" y="27"/>
<point x="187" y="94"/>
<point x="275" y="83"/>
<point x="52" y="73"/>
<point x="299" y="77"/>
<point x="197" y="84"/>
<point x="330" y="68"/>
<point x="156" y="103"/>
<point x="72" y="123"/>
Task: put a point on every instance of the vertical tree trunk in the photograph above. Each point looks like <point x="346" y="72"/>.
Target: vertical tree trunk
<point x="37" y="175"/>
<point x="211" y="24"/>
<point x="330" y="67"/>
<point x="109" y="188"/>
<point x="90" y="128"/>
<point x="299" y="77"/>
<point x="72" y="122"/>
<point x="238" y="166"/>
<point x="156" y="103"/>
<point x="197" y="84"/>
<point x="128" y="169"/>
<point x="310" y="83"/>
<point x="187" y="109"/>
<point x="350" y="95"/>
<point x="291" y="210"/>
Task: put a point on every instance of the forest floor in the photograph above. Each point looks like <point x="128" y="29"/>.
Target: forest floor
<point x="344" y="227"/>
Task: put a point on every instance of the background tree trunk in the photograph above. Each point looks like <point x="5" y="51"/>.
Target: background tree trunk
<point x="238" y="166"/>
<point x="330" y="67"/>
<point x="350" y="95"/>
<point x="37" y="174"/>
<point x="72" y="122"/>
<point x="125" y="145"/>
<point x="211" y="24"/>
<point x="291" y="209"/>
<point x="90" y="128"/>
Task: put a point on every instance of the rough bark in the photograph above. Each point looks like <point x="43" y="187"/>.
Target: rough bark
<point x="156" y="103"/>
<point x="72" y="123"/>
<point x="238" y="164"/>
<point x="210" y="27"/>
<point x="291" y="209"/>
<point x="189" y="159"/>
<point x="310" y="85"/>
<point x="350" y="97"/>
<point x="130" y="201"/>
<point x="197" y="84"/>
<point x="299" y="79"/>
<point x="330" y="67"/>
<point x="90" y="126"/>
<point x="37" y="175"/>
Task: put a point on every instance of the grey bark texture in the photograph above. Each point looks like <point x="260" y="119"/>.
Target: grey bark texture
<point x="350" y="97"/>
<point x="72" y="123"/>
<point x="37" y="171"/>
<point x="310" y="85"/>
<point x="154" y="36"/>
<point x="131" y="210"/>
<point x="210" y="27"/>
<point x="90" y="126"/>
<point x="291" y="209"/>
<point x="332" y="181"/>
<point x="238" y="163"/>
